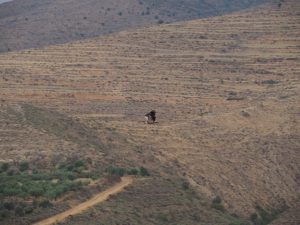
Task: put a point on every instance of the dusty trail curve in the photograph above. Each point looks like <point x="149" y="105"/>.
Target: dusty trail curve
<point x="100" y="197"/>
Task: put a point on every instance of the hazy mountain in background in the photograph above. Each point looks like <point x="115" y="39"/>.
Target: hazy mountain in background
<point x="2" y="1"/>
<point x="33" y="23"/>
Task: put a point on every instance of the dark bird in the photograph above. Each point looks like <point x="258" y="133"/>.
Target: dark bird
<point x="150" y="117"/>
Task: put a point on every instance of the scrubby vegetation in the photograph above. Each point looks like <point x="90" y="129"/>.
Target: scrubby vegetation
<point x="270" y="82"/>
<point x="217" y="204"/>
<point x="25" y="183"/>
<point x="264" y="217"/>
<point x="112" y="170"/>
<point x="22" y="189"/>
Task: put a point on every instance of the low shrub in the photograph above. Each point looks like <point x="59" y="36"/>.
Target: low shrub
<point x="185" y="185"/>
<point x="4" y="167"/>
<point x="264" y="217"/>
<point x="19" y="211"/>
<point x="119" y="171"/>
<point x="116" y="171"/>
<point x="45" y="204"/>
<point x="23" y="166"/>
<point x="270" y="82"/>
<point x="217" y="204"/>
<point x="144" y="172"/>
<point x="51" y="184"/>
<point x="133" y="171"/>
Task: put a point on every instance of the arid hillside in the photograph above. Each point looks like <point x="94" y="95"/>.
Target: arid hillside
<point x="226" y="90"/>
<point x="33" y="23"/>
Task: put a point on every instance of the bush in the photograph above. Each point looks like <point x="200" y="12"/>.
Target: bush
<point x="219" y="207"/>
<point x="254" y="218"/>
<point x="270" y="82"/>
<point x="4" y="167"/>
<point x="23" y="166"/>
<point x="185" y="185"/>
<point x="19" y="211"/>
<point x="45" y="204"/>
<point x="28" y="209"/>
<point x="39" y="184"/>
<point x="162" y="218"/>
<point x="216" y="200"/>
<point x="10" y="172"/>
<point x="4" y="213"/>
<point x="265" y="217"/>
<point x="116" y="171"/>
<point x="144" y="172"/>
<point x="133" y="171"/>
<point x="9" y="205"/>
<point x="237" y="98"/>
<point x="78" y="163"/>
<point x="36" y="190"/>
<point x="217" y="204"/>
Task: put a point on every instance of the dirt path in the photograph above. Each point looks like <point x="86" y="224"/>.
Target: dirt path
<point x="100" y="197"/>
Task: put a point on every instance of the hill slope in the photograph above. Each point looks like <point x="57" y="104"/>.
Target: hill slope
<point x="226" y="90"/>
<point x="32" y="24"/>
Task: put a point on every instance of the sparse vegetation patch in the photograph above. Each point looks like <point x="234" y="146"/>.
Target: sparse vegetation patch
<point x="112" y="170"/>
<point x="23" y="183"/>
<point x="264" y="217"/>
<point x="217" y="204"/>
<point x="23" y="190"/>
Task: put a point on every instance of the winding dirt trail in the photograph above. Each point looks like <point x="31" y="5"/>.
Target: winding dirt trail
<point x="100" y="197"/>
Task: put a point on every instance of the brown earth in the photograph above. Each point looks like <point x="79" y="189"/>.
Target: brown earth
<point x="226" y="90"/>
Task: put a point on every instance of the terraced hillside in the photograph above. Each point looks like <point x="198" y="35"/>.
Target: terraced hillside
<point x="226" y="90"/>
<point x="33" y="24"/>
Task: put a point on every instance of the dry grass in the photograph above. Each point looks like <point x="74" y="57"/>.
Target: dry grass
<point x="245" y="150"/>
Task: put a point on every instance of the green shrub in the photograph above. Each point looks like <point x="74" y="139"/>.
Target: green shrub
<point x="45" y="204"/>
<point x="28" y="209"/>
<point x="133" y="171"/>
<point x="219" y="207"/>
<point x="36" y="190"/>
<point x="19" y="211"/>
<point x="78" y="163"/>
<point x="116" y="171"/>
<point x="37" y="185"/>
<point x="196" y="217"/>
<point x="217" y="204"/>
<point x="23" y="166"/>
<point x="144" y="172"/>
<point x="4" y="213"/>
<point x="270" y="82"/>
<point x="70" y="167"/>
<point x="217" y="200"/>
<point x="264" y="217"/>
<point x="9" y="205"/>
<point x="4" y="167"/>
<point x="162" y="218"/>
<point x="185" y="185"/>
<point x="10" y="172"/>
